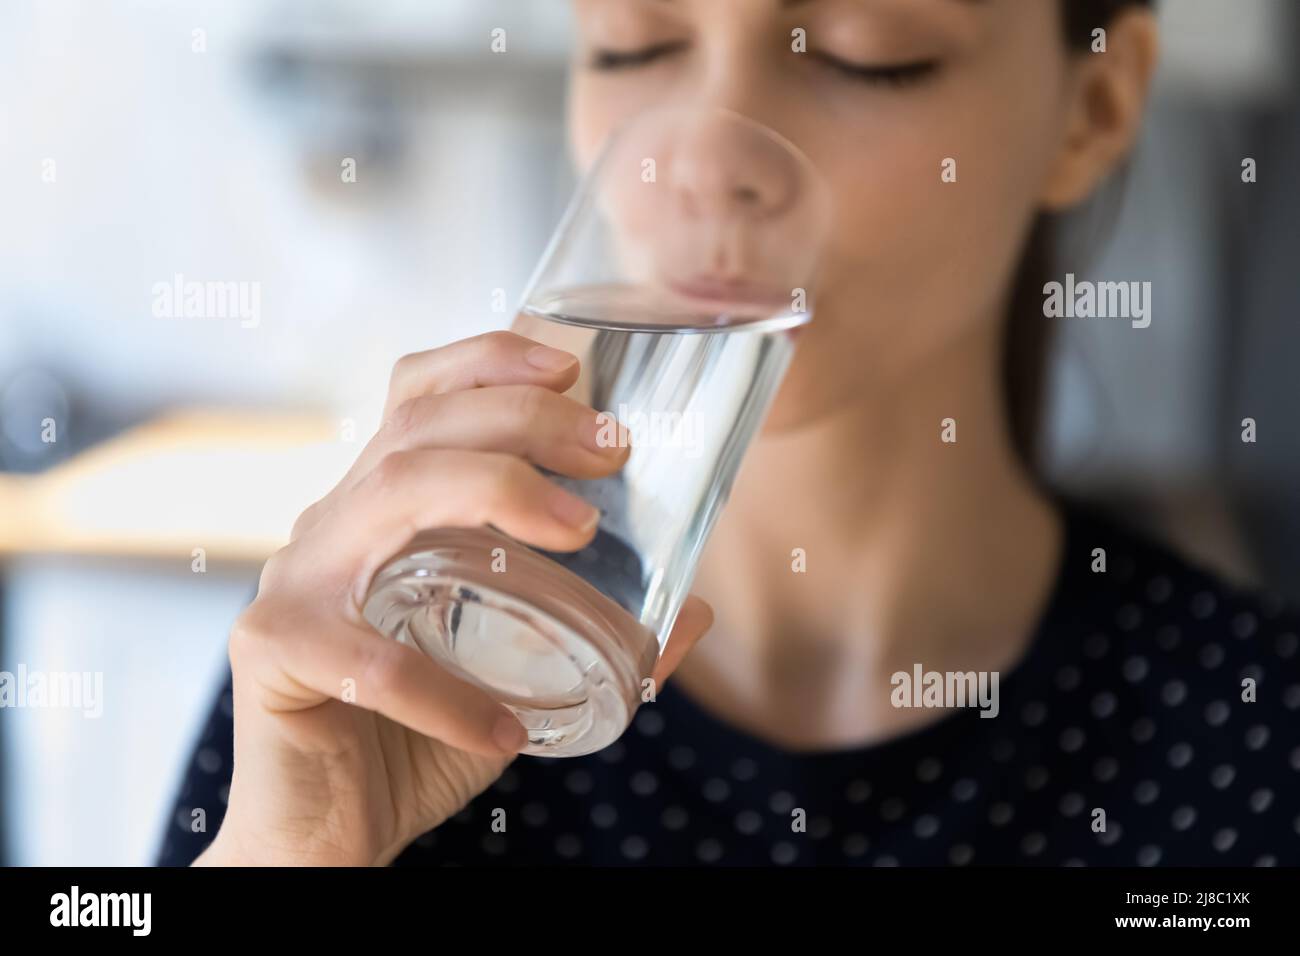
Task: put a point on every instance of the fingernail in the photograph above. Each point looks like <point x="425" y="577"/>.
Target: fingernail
<point x="509" y="734"/>
<point x="549" y="359"/>
<point x="573" y="511"/>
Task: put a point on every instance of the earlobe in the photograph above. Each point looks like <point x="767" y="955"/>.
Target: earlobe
<point x="1106" y="104"/>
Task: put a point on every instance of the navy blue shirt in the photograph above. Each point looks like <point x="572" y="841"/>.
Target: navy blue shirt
<point x="1122" y="739"/>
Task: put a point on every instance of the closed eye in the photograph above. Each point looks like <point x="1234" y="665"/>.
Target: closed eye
<point x="627" y="59"/>
<point x="891" y="74"/>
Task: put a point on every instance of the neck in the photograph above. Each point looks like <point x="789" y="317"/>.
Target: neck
<point x="916" y="550"/>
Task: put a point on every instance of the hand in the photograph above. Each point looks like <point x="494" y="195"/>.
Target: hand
<point x="349" y="745"/>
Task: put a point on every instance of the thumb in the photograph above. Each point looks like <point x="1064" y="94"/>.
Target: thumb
<point x="694" y="619"/>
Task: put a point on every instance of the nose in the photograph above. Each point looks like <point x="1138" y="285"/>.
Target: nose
<point x="727" y="167"/>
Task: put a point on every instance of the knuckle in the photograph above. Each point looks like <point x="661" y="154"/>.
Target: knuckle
<point x="404" y="417"/>
<point x="250" y="633"/>
<point x="390" y="472"/>
<point x="531" y="403"/>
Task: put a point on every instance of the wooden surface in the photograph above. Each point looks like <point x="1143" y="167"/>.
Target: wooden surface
<point x="229" y="482"/>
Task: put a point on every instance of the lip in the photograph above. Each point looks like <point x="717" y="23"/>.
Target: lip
<point x="723" y="289"/>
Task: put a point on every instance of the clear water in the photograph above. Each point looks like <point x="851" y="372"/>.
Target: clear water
<point x="692" y="388"/>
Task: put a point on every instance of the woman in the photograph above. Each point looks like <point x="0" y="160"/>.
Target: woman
<point x="1122" y="735"/>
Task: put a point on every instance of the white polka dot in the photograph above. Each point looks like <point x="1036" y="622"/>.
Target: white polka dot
<point x="1000" y="814"/>
<point x="1159" y="589"/>
<point x="534" y="814"/>
<point x="1222" y="776"/>
<point x="1211" y="656"/>
<point x="1257" y="737"/>
<point x="1244" y="625"/>
<point x="1111" y="835"/>
<point x="1071" y="804"/>
<point x="649" y="722"/>
<point x="1105" y="769"/>
<point x="1036" y="778"/>
<point x="1225" y="839"/>
<point x="426" y="841"/>
<point x="1103" y="705"/>
<point x="964" y="789"/>
<point x="674" y="818"/>
<point x="961" y="854"/>
<point x="1180" y="755"/>
<point x="819" y="828"/>
<point x="1217" y="713"/>
<point x="209" y="760"/>
<point x="1146" y="792"/>
<point x="634" y="848"/>
<point x="1033" y="844"/>
<point x="784" y="853"/>
<point x="892" y="810"/>
<point x="1266" y="860"/>
<point x="1203" y="605"/>
<point x="579" y="782"/>
<point x="227" y="705"/>
<point x="1135" y="669"/>
<point x="1148" y="855"/>
<point x="781" y="802"/>
<point x="1173" y="693"/>
<point x="708" y="851"/>
<point x="1295" y="759"/>
<point x="223" y="794"/>
<point x="748" y="822"/>
<point x="1183" y="818"/>
<point x="568" y="846"/>
<point x="681" y="758"/>
<point x="855" y="845"/>
<point x="885" y="861"/>
<point x="604" y="816"/>
<point x="1261" y="800"/>
<point x="1128" y="617"/>
<point x="928" y="770"/>
<point x="1034" y="713"/>
<point x="1072" y="739"/>
<point x="493" y="844"/>
<point x="1003" y="749"/>
<point x="925" y="826"/>
<point x="1074" y="861"/>
<point x="643" y="783"/>
<point x="716" y="790"/>
<point x="1291" y="697"/>
<point x="1287" y="645"/>
<point x="857" y="791"/>
<point x="744" y="769"/>
<point x="1143" y="730"/>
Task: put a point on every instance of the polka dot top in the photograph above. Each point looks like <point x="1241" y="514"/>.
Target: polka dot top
<point x="1153" y="721"/>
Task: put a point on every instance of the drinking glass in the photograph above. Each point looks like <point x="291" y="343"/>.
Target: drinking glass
<point x="679" y="275"/>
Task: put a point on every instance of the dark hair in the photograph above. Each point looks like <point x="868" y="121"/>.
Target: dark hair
<point x="1028" y="337"/>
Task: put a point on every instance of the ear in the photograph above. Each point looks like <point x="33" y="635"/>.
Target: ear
<point x="1107" y="97"/>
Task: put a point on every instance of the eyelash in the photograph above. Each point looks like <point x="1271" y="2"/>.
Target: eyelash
<point x="622" y="60"/>
<point x="895" y="76"/>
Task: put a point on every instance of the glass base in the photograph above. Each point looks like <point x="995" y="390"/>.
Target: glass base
<point x="567" y="660"/>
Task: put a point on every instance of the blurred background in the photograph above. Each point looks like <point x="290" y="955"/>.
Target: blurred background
<point x="374" y="179"/>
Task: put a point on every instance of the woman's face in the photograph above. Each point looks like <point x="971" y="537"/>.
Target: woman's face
<point x="884" y="95"/>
